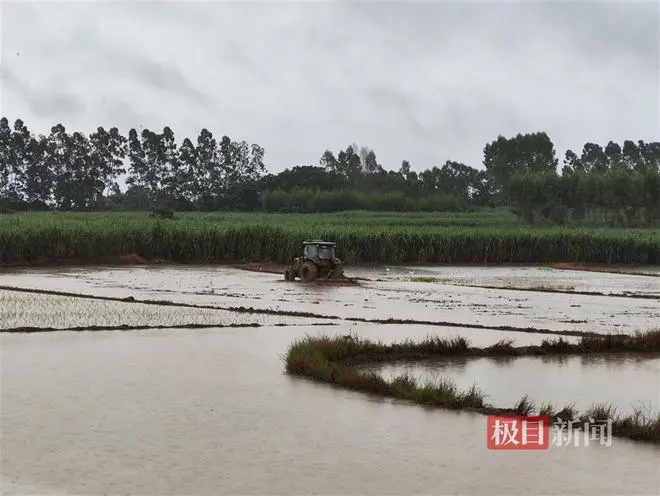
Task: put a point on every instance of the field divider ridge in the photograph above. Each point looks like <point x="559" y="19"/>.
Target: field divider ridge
<point x="293" y="313"/>
<point x="127" y="327"/>
<point x="560" y="291"/>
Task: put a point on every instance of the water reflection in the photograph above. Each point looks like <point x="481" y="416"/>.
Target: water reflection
<point x="626" y="381"/>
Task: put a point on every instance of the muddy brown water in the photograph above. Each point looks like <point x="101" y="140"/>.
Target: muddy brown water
<point x="211" y="411"/>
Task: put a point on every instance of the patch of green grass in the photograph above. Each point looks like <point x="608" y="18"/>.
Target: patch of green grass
<point x="357" y="350"/>
<point x="424" y="279"/>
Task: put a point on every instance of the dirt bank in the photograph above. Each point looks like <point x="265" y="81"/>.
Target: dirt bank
<point x="268" y="267"/>
<point x="615" y="269"/>
<point x="273" y="268"/>
<point x="129" y="259"/>
<point x="125" y="327"/>
<point x="135" y="259"/>
<point x="564" y="291"/>
<point x="276" y="268"/>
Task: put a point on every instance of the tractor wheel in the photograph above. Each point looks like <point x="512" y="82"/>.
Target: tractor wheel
<point x="338" y="273"/>
<point x="309" y="272"/>
<point x="288" y="275"/>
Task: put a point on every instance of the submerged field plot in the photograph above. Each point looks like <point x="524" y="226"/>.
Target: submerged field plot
<point x="209" y="397"/>
<point x="384" y="296"/>
<point x="211" y="412"/>
<point x="31" y="312"/>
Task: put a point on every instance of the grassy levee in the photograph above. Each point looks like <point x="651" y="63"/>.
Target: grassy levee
<point x="480" y="237"/>
<point x="339" y="362"/>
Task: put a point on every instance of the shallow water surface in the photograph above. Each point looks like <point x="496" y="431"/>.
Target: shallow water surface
<point x="626" y="382"/>
<point x="395" y="298"/>
<point x="211" y="412"/>
<point x="548" y="278"/>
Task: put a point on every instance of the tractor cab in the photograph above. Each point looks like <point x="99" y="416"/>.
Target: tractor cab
<point x="319" y="250"/>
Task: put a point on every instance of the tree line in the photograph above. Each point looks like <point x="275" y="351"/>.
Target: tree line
<point x="615" y="185"/>
<point x="74" y="171"/>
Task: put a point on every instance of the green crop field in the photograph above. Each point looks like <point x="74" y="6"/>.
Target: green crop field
<point x="493" y="236"/>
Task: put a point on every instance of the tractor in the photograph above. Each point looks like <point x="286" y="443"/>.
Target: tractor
<point x="318" y="262"/>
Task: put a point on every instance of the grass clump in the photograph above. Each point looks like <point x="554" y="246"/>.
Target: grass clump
<point x="638" y="426"/>
<point x="338" y="361"/>
<point x="642" y="341"/>
<point x="353" y="349"/>
<point x="424" y="279"/>
<point x="524" y="407"/>
<point x="333" y="360"/>
<point x="566" y="413"/>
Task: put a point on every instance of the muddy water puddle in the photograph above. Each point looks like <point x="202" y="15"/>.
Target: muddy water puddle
<point x="211" y="412"/>
<point x="626" y="382"/>
<point x="223" y="286"/>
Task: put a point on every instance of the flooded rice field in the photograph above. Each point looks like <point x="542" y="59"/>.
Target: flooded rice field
<point x="374" y="299"/>
<point x="19" y="309"/>
<point x="541" y="278"/>
<point x="211" y="411"/>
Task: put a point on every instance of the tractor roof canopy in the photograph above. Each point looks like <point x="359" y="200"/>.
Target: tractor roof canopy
<point x="324" y="243"/>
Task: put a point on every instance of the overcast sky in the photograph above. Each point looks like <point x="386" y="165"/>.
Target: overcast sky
<point x="426" y="82"/>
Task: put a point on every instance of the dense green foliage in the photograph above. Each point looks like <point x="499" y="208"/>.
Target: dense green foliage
<point x="73" y="171"/>
<point x="361" y="237"/>
<point x="615" y="198"/>
<point x="313" y="200"/>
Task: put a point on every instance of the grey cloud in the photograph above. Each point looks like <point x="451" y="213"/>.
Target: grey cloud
<point x="131" y="64"/>
<point x="159" y="76"/>
<point x="41" y="103"/>
<point x="610" y="29"/>
<point x="48" y="104"/>
<point x="116" y="112"/>
<point x="425" y="82"/>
